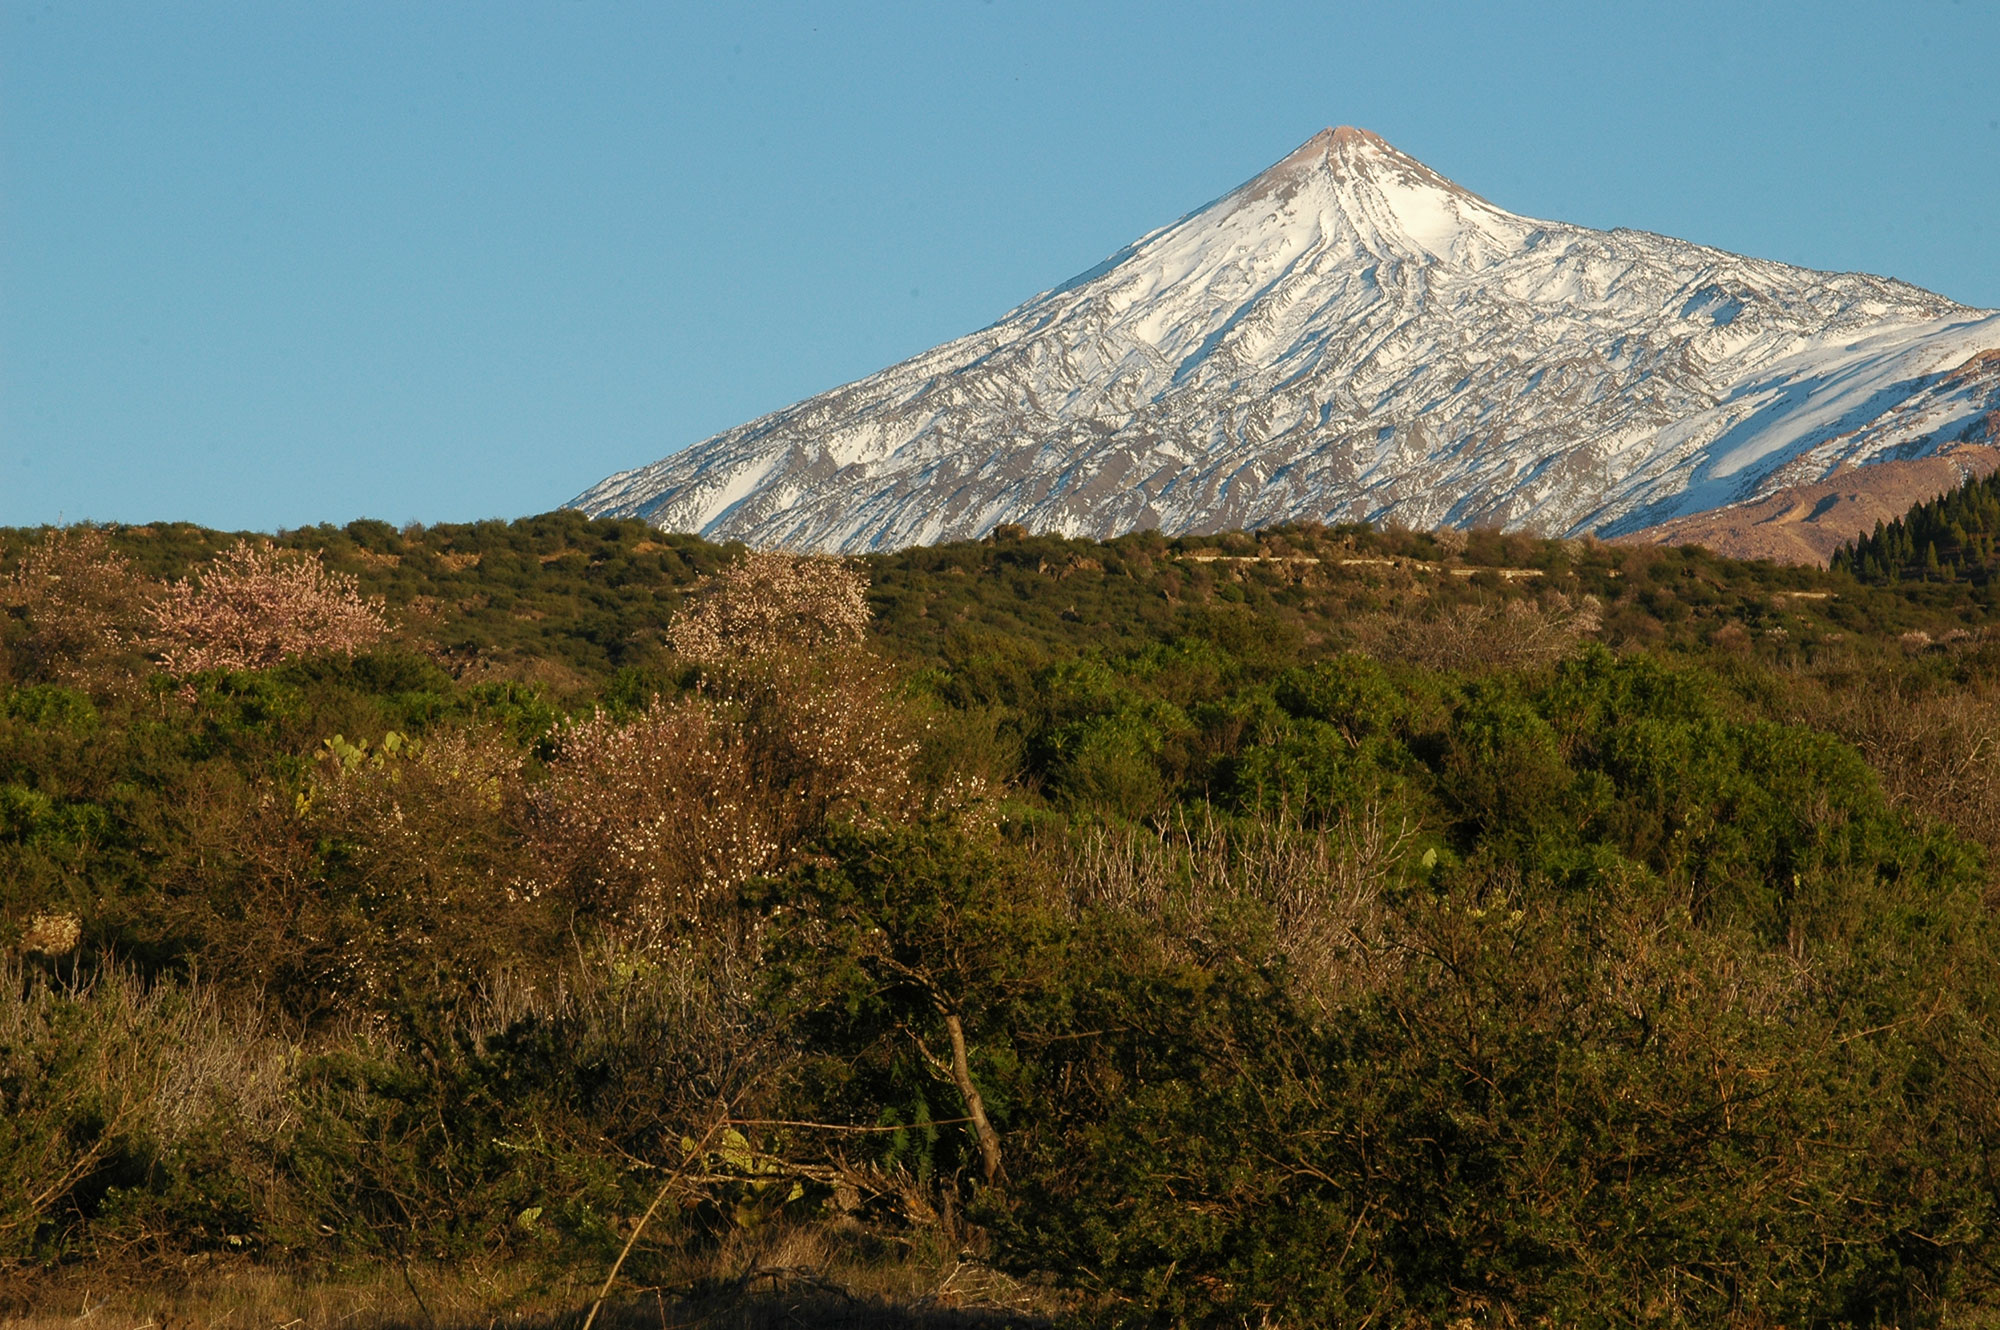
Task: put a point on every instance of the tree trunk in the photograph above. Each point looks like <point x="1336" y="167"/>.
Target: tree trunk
<point x="975" y="1107"/>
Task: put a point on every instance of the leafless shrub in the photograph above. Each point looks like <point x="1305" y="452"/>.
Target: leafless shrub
<point x="1323" y="887"/>
<point x="1938" y="754"/>
<point x="1656" y="973"/>
<point x="1469" y="636"/>
<point x="87" y="1070"/>
<point x="257" y="605"/>
<point x="1450" y="541"/>
<point x="77" y="604"/>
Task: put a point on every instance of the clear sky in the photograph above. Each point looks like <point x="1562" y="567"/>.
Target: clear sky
<point x="274" y="263"/>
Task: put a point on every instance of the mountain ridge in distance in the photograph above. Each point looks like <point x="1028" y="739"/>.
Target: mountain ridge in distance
<point x="1351" y="336"/>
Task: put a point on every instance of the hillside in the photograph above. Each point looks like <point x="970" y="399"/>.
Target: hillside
<point x="1808" y="523"/>
<point x="568" y="601"/>
<point x="886" y="938"/>
<point x="1950" y="537"/>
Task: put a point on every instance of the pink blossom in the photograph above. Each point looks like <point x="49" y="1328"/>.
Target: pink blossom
<point x="257" y="605"/>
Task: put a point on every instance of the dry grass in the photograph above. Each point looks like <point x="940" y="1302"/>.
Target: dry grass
<point x="848" y="1275"/>
<point x="790" y="1277"/>
<point x="249" y="1297"/>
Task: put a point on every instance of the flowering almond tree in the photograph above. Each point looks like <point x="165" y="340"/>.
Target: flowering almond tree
<point x="782" y="640"/>
<point x="257" y="605"/>
<point x="650" y="821"/>
<point x="644" y="822"/>
<point x="772" y="601"/>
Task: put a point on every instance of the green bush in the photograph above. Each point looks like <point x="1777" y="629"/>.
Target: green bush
<point x="1547" y="1107"/>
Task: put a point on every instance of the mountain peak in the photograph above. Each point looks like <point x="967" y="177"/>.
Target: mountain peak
<point x="1342" y="149"/>
<point x="1357" y="184"/>
<point x="1344" y="136"/>
<point x="1348" y="153"/>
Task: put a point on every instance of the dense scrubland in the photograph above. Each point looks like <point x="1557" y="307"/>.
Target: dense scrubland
<point x="1307" y="927"/>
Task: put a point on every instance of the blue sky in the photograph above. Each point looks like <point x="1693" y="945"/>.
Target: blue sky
<point x="268" y="264"/>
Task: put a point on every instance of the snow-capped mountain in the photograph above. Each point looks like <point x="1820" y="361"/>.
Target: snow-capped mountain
<point x="1352" y="336"/>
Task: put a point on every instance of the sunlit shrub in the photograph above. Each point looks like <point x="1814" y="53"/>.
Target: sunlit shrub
<point x="257" y="605"/>
<point x="415" y="853"/>
<point x="770" y="602"/>
<point x="78" y="607"/>
<point x="646" y="822"/>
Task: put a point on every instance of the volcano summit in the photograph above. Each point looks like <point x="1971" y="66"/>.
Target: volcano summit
<point x="1351" y="336"/>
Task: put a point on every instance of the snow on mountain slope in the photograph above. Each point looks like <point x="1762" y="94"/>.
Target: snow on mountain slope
<point x="1351" y="336"/>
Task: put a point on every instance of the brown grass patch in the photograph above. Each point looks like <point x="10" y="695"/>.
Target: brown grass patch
<point x="787" y="1278"/>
